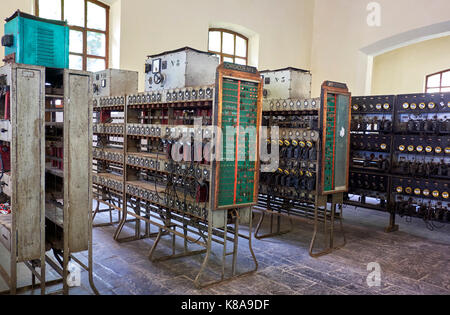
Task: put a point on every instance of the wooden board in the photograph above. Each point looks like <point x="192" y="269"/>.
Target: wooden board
<point x="77" y="158"/>
<point x="238" y="104"/>
<point x="335" y="146"/>
<point x="27" y="160"/>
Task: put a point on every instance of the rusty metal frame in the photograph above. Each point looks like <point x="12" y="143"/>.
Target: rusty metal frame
<point x="321" y="214"/>
<point x="176" y="223"/>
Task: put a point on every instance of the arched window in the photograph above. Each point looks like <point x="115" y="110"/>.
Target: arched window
<point x="438" y="82"/>
<point x="89" y="30"/>
<point x="228" y="45"/>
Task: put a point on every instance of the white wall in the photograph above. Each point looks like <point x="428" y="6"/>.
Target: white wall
<point x="7" y="8"/>
<point x="325" y="36"/>
<point x="284" y="29"/>
<point x="404" y="70"/>
<point x="341" y="31"/>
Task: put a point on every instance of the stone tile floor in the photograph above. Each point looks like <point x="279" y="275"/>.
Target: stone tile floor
<point x="413" y="261"/>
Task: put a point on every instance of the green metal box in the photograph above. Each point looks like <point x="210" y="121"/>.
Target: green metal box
<point x="36" y="41"/>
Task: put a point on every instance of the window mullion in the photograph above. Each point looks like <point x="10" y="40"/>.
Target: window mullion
<point x="221" y="47"/>
<point x="62" y="10"/>
<point x="234" y="53"/>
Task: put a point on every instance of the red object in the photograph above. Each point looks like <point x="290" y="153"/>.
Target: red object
<point x="7" y="101"/>
<point x="5" y="209"/>
<point x="6" y="157"/>
<point x="105" y="116"/>
<point x="202" y="193"/>
<point x="54" y="154"/>
<point x="165" y="114"/>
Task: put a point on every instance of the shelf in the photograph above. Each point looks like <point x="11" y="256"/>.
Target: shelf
<point x="54" y="110"/>
<point x="55" y="124"/>
<point x="54" y="171"/>
<point x="159" y="165"/>
<point x="55" y="213"/>
<point x="6" y="221"/>
<point x="115" y="177"/>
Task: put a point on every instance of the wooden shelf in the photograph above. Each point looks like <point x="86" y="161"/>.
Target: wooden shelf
<point x="6" y="221"/>
<point x="55" y="213"/>
<point x="54" y="171"/>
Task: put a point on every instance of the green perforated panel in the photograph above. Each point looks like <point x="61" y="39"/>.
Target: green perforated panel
<point x="329" y="142"/>
<point x="336" y="142"/>
<point x="237" y="173"/>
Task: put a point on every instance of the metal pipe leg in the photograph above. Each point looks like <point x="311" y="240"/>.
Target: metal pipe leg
<point x="185" y="237"/>
<point x="91" y="261"/>
<point x="155" y="244"/>
<point x="333" y="212"/>
<point x="250" y="246"/>
<point x="316" y="222"/>
<point x="65" y="271"/>
<point x="208" y="253"/>
<point x="224" y="254"/>
<point x="235" y="247"/>
<point x="122" y="221"/>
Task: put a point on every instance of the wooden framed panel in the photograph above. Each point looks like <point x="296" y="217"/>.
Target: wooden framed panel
<point x="335" y="123"/>
<point x="28" y="161"/>
<point x="77" y="158"/>
<point x="238" y="104"/>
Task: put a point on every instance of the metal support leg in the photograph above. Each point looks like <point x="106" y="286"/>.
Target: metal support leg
<point x="224" y="253"/>
<point x="91" y="260"/>
<point x="330" y="239"/>
<point x="65" y="270"/>
<point x="271" y="234"/>
<point x="13" y="275"/>
<point x="392" y="226"/>
<point x="235" y="246"/>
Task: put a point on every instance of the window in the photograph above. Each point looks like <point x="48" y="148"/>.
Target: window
<point x="89" y="30"/>
<point x="228" y="45"/>
<point x="438" y="82"/>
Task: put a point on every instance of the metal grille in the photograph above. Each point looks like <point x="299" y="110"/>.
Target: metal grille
<point x="44" y="46"/>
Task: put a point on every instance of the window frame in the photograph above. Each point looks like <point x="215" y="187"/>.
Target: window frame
<point x="440" y="87"/>
<point x="221" y="53"/>
<point x="85" y="30"/>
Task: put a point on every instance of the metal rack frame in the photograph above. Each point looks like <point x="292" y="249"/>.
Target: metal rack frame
<point x="213" y="225"/>
<point x="313" y="206"/>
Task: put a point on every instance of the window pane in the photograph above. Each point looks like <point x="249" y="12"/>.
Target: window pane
<point x="445" y="90"/>
<point x="240" y="61"/>
<point x="96" y="43"/>
<point x="241" y="47"/>
<point x="228" y="43"/>
<point x="96" y="17"/>
<point x="228" y="59"/>
<point x="50" y="9"/>
<point x="76" y="42"/>
<point x="74" y="12"/>
<point x="95" y="65"/>
<point x="75" y="62"/>
<point x="214" y="41"/>
<point x="434" y="81"/>
<point x="434" y="90"/>
<point x="446" y="78"/>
